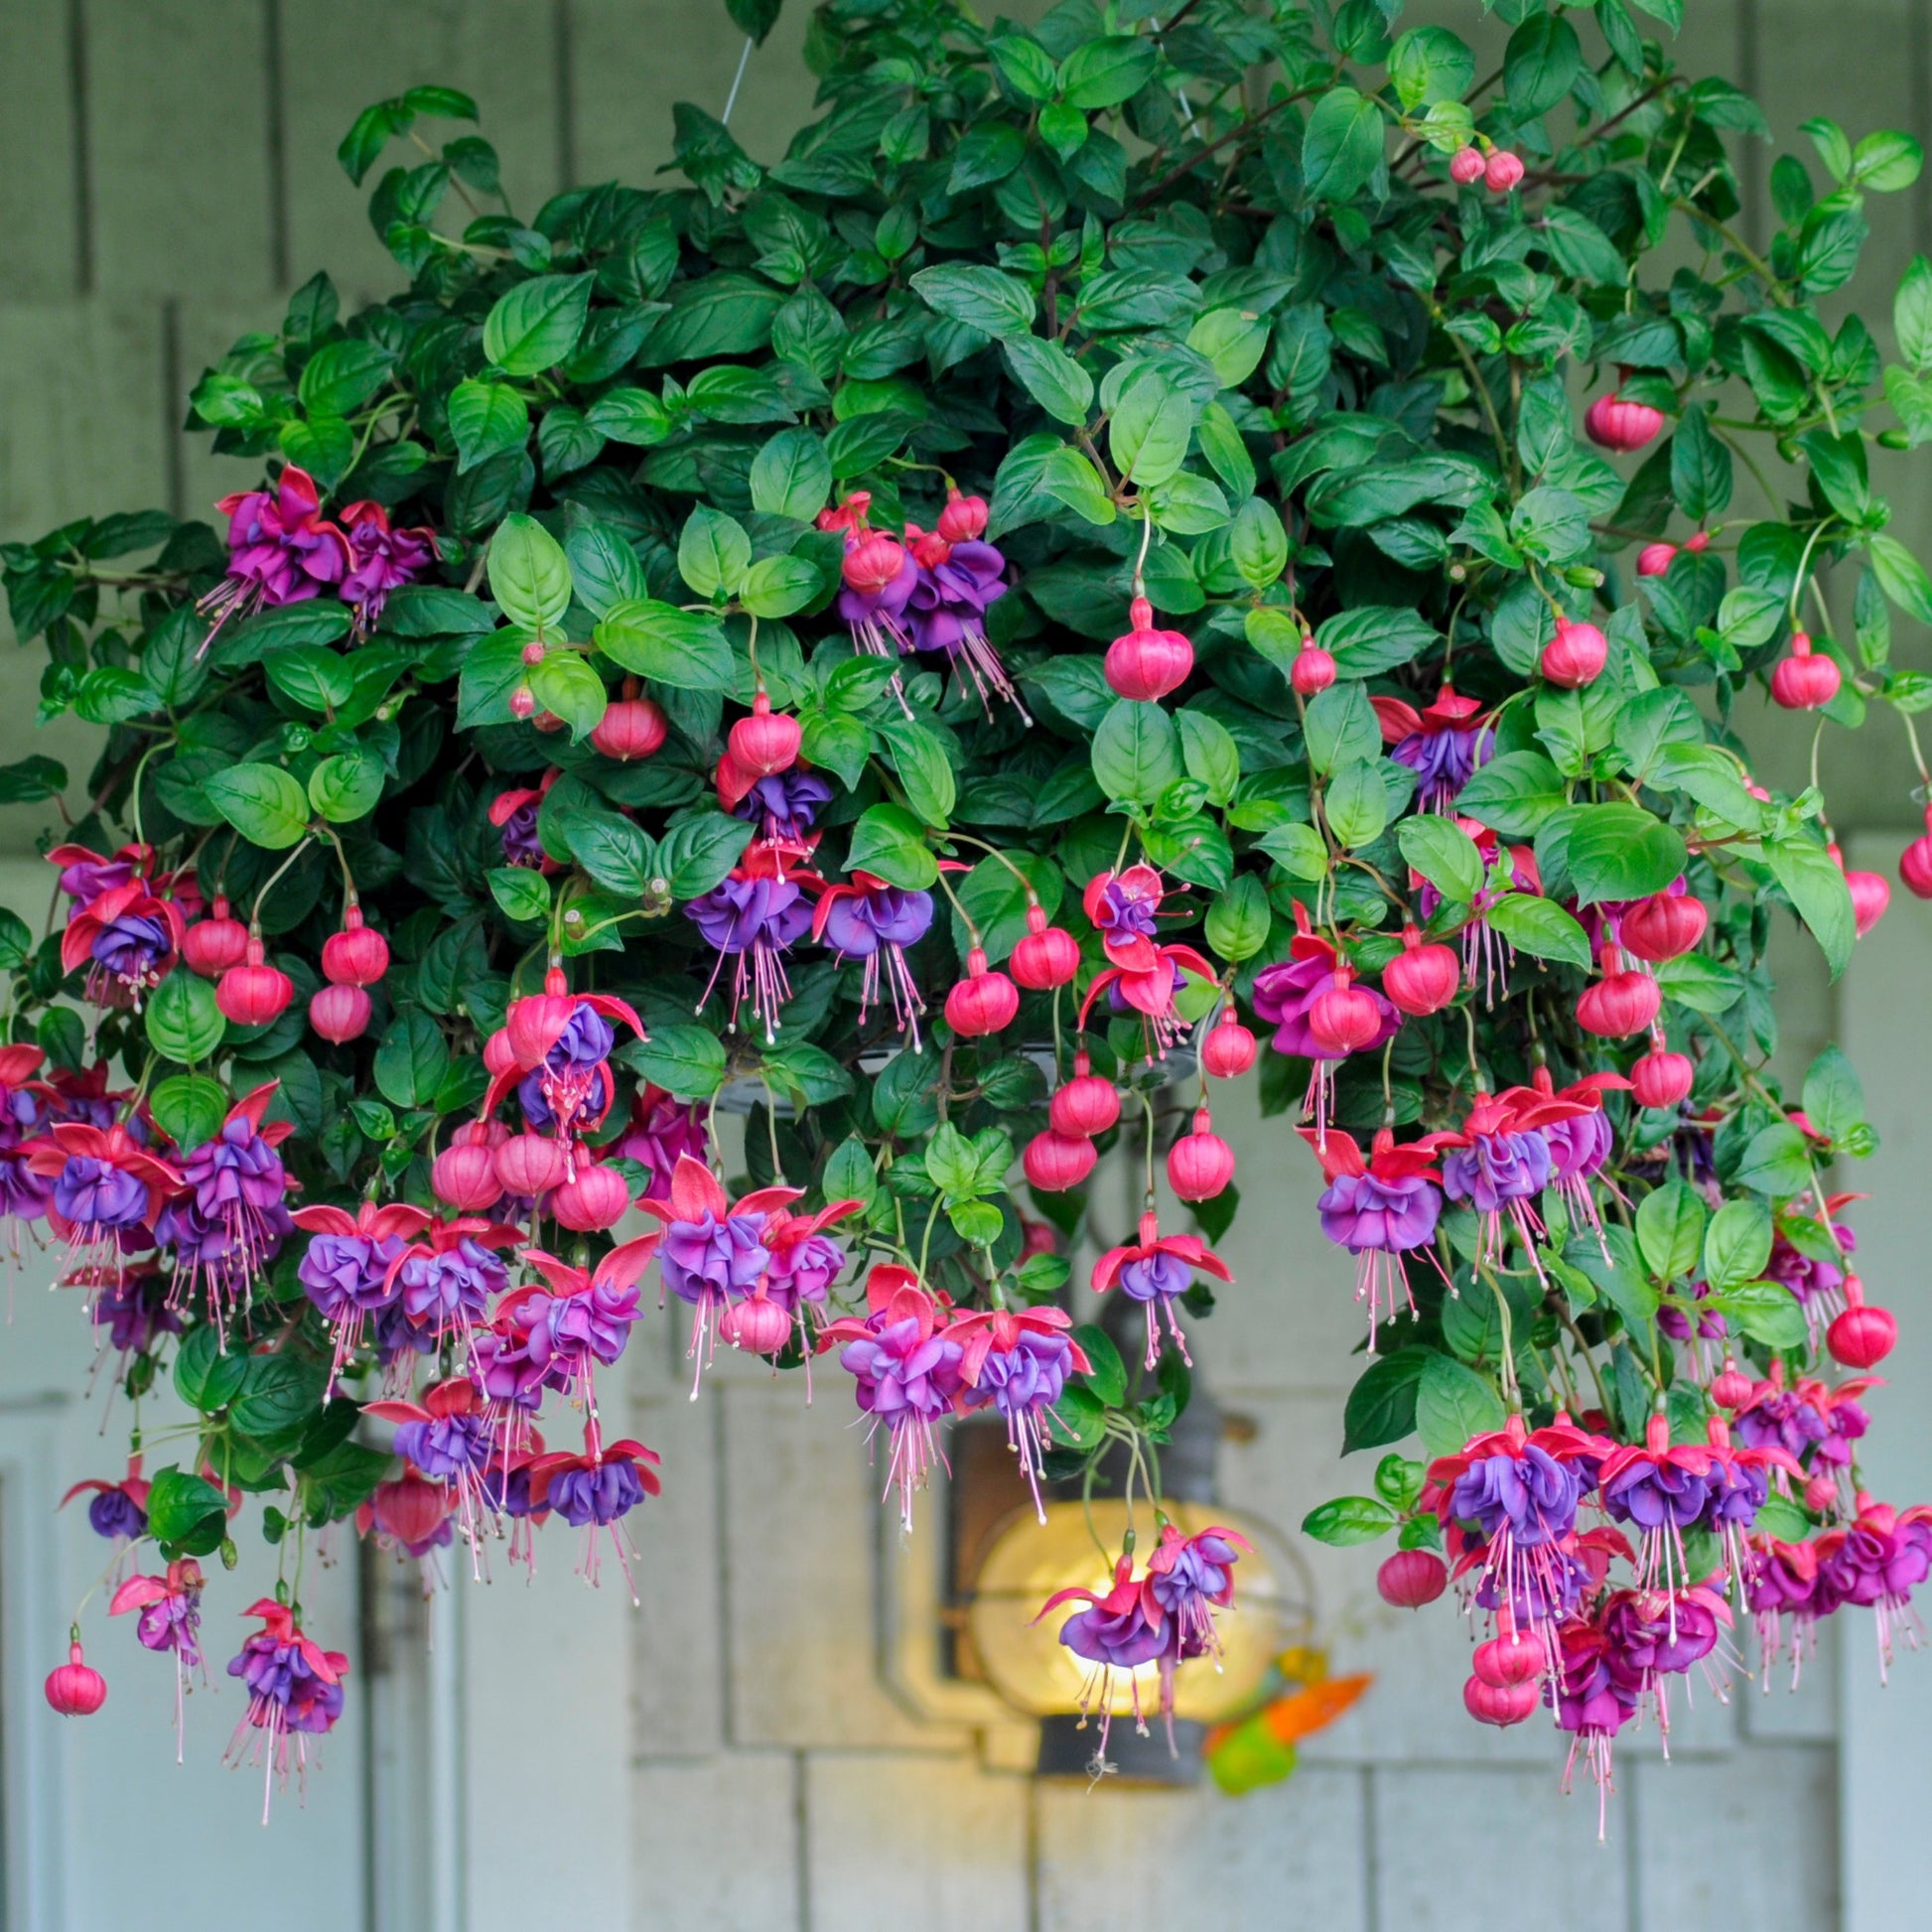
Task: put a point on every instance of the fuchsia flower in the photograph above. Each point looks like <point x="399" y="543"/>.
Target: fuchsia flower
<point x="1662" y="1489"/>
<point x="444" y="1285"/>
<point x="1379" y="1209"/>
<point x="382" y="559"/>
<point x="715" y="1253"/>
<point x="295" y="1692"/>
<point x="1783" y="1582"/>
<point x="1878" y="1560"/>
<point x="1120" y="1629"/>
<point x="870" y="920"/>
<point x="230" y="1220"/>
<point x="170" y="1619"/>
<point x="411" y="1515"/>
<point x="805" y="1262"/>
<point x="879" y="579"/>
<point x="561" y="1043"/>
<point x="126" y="936"/>
<point x="281" y="550"/>
<point x="1157" y="1271"/>
<point x="596" y="1491"/>
<point x="349" y="1269"/>
<point x="1442" y="743"/>
<point x="1140" y="976"/>
<point x="1590" y="1702"/>
<point x="958" y="576"/>
<point x="119" y="1510"/>
<point x="24" y="1107"/>
<point x="515" y="813"/>
<point x="1018" y="1360"/>
<point x="907" y="1372"/>
<point x="582" y="1318"/>
<point x="662" y="1130"/>
<point x="448" y="1438"/>
<point x="1285" y="996"/>
<point x="1513" y="1495"/>
<point x="754" y="915"/>
<point x="1579" y="1143"/>
<point x="106" y="1192"/>
<point x="1501" y="1160"/>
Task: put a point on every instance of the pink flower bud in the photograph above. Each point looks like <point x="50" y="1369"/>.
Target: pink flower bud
<point x="340" y="1013"/>
<point x="1466" y="166"/>
<point x="529" y="1165"/>
<point x="632" y="728"/>
<point x="595" y="1199"/>
<point x="1661" y="1079"/>
<point x="1201" y="1164"/>
<point x="872" y="563"/>
<point x="1146" y="663"/>
<point x="1049" y="956"/>
<point x="465" y="1178"/>
<point x="1654" y="559"/>
<point x="1730" y="1388"/>
<point x="1411" y="1578"/>
<point x="1576" y="655"/>
<point x="1663" y="925"/>
<point x="1915" y="863"/>
<point x="253" y="993"/>
<point x="983" y="1002"/>
<point x="766" y="743"/>
<point x="1086" y="1105"/>
<point x="1501" y="1705"/>
<point x="1805" y="679"/>
<point x="1229" y="1049"/>
<point x="1313" y="671"/>
<point x="211" y="945"/>
<point x="1621" y="1003"/>
<point x="1345" y="1018"/>
<point x="1613" y="422"/>
<point x="963" y="520"/>
<point x="1502" y="172"/>
<point x="357" y="955"/>
<point x="1514" y="1657"/>
<point x="1057" y="1162"/>
<point x="1421" y="979"/>
<point x="758" y="1325"/>
<point x="76" y="1688"/>
<point x="1862" y="1336"/>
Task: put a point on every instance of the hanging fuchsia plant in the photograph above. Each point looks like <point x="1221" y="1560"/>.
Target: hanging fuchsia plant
<point x="1082" y="577"/>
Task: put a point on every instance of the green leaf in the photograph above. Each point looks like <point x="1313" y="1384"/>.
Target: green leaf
<point x="605" y="568"/>
<point x="1670" y="1230"/>
<point x="189" y="1108"/>
<point x="206" y="1378"/>
<point x="1024" y="66"/>
<point x="1453" y="1403"/>
<point x="1776" y="1163"/>
<point x="1258" y="545"/>
<point x="775" y="587"/>
<point x="1617" y="851"/>
<point x="347" y="785"/>
<point x="686" y="1061"/>
<point x="1239" y="920"/>
<point x="1768" y="1313"/>
<point x="1210" y="755"/>
<point x="537" y="323"/>
<point x="924" y="769"/>
<point x="633" y="416"/>
<point x="1886" y="162"/>
<point x="889" y="841"/>
<point x="713" y="553"/>
<point x="1700" y="467"/>
<point x="529" y="575"/>
<point x="411" y="1060"/>
<point x="791" y="475"/>
<point x="1737" y="1244"/>
<point x="1816" y="887"/>
<point x="1833" y="1097"/>
<point x="1136" y="753"/>
<point x="1052" y="378"/>
<point x="616" y="853"/>
<point x="1153" y="422"/>
<point x="1541" y="927"/>
<point x="1343" y="146"/>
<point x="522" y="891"/>
<point x="986" y="298"/>
<point x="1911" y="314"/>
<point x="697" y="853"/>
<point x="1069" y="478"/>
<point x="1104" y="72"/>
<point x="849" y="1172"/>
<point x="342" y="375"/>
<point x="1374" y="638"/>
<point x="1513" y="794"/>
<point x="1356" y="803"/>
<point x="1900" y="576"/>
<point x="279" y="1396"/>
<point x="566" y="685"/>
<point x="261" y="801"/>
<point x="1340" y="726"/>
<point x="1108" y="1377"/>
<point x="1382" y="1405"/>
<point x="1446" y="855"/>
<point x="1349" y="1520"/>
<point x="310" y="677"/>
<point x="1541" y="63"/>
<point x="183" y="1021"/>
<point x="185" y="1509"/>
<point x="687" y="649"/>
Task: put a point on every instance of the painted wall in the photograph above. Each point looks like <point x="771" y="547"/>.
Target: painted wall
<point x="737" y="1753"/>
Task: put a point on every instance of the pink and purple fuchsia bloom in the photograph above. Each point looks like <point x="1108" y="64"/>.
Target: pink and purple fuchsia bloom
<point x="906" y="1372"/>
<point x="1379" y="1209"/>
<point x="1017" y="1361"/>
<point x="170" y="1619"/>
<point x="583" y="1317"/>
<point x="349" y="1269"/>
<point x="873" y="922"/>
<point x="1156" y="1271"/>
<point x="755" y="917"/>
<point x="958" y="578"/>
<point x="295" y="1692"/>
<point x="784" y="805"/>
<point x="281" y="550"/>
<point x="382" y="559"/>
<point x="1876" y="1561"/>
<point x="118" y="1511"/>
<point x="1121" y="1629"/>
<point x="714" y="1250"/>
<point x="1285" y="996"/>
<point x="1442" y="743"/>
<point x="449" y="1437"/>
<point x="662" y="1130"/>
<point x="596" y="1491"/>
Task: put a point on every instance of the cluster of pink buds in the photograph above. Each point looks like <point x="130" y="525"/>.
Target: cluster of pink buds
<point x="352" y="960"/>
<point x="1498" y="171"/>
<point x="1655" y="558"/>
<point x="1081" y="1108"/>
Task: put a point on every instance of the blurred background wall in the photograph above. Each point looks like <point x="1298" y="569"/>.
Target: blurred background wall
<point x="745" y="1751"/>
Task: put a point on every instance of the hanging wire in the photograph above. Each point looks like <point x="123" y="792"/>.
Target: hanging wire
<point x="738" y="81"/>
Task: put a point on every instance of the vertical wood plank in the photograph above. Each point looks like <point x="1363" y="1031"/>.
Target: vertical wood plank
<point x="339" y="56"/>
<point x="178" y="146"/>
<point x="40" y="201"/>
